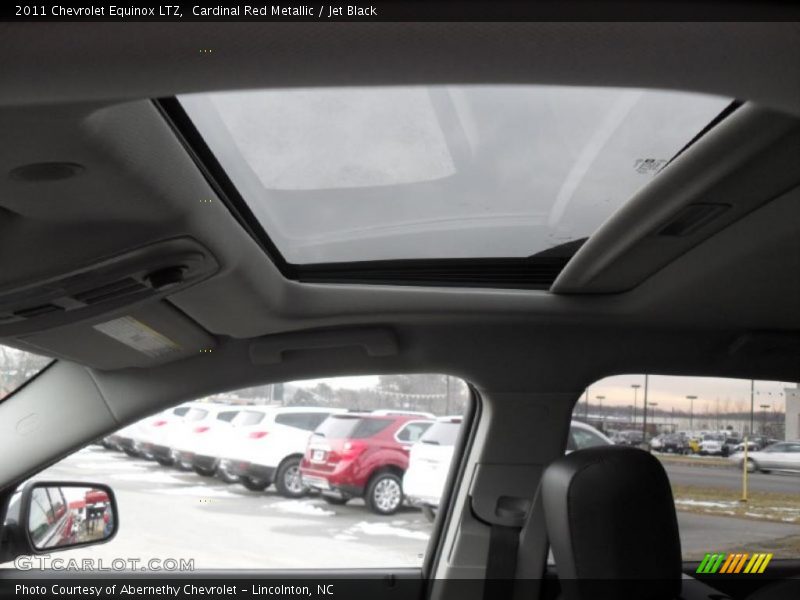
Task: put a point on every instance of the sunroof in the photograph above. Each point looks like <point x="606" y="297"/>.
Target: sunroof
<point x="344" y="175"/>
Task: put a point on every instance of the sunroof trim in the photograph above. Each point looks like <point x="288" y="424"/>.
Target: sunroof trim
<point x="502" y="271"/>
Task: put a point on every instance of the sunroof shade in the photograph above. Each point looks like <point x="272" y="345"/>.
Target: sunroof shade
<point x="339" y="175"/>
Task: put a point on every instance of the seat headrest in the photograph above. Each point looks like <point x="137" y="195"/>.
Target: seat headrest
<point x="610" y="515"/>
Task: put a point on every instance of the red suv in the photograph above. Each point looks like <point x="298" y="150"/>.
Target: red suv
<point x="362" y="455"/>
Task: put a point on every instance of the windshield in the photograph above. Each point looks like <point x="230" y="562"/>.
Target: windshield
<point x="17" y="367"/>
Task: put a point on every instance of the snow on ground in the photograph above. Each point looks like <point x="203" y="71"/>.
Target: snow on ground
<point x="154" y="477"/>
<point x="200" y="491"/>
<point x="297" y="507"/>
<point x="386" y="529"/>
<point x="705" y="503"/>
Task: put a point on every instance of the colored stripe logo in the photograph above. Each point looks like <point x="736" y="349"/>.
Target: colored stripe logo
<point x="741" y="562"/>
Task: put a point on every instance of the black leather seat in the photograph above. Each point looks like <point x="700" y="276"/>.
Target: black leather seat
<point x="613" y="528"/>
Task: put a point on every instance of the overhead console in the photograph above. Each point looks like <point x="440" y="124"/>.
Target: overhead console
<point x="140" y="275"/>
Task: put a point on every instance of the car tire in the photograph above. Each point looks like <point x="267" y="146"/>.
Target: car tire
<point x="131" y="452"/>
<point x="429" y="512"/>
<point x="752" y="466"/>
<point x="204" y="471"/>
<point x="226" y="476"/>
<point x="254" y="485"/>
<point x="335" y="500"/>
<point x="288" y="481"/>
<point x="384" y="493"/>
<point x="165" y="462"/>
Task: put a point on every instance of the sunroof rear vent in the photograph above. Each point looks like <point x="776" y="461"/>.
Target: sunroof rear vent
<point x="111" y="291"/>
<point x="691" y="218"/>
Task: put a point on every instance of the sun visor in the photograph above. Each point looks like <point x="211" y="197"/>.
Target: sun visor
<point x="144" y="337"/>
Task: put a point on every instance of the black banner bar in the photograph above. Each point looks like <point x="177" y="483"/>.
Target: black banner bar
<point x="403" y="10"/>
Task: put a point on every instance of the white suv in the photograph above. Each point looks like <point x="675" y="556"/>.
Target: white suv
<point x="265" y="444"/>
<point x="430" y="458"/>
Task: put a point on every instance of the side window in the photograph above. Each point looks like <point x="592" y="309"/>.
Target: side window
<point x="247" y="418"/>
<point x="412" y="432"/>
<point x="296" y="420"/>
<point x="195" y="414"/>
<point x="315" y="420"/>
<point x="227" y="415"/>
<point x="368" y="427"/>
<point x="698" y="428"/>
<point x="214" y="466"/>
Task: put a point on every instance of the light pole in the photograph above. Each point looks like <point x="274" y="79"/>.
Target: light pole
<point x="752" y="404"/>
<point x="644" y="420"/>
<point x="654" y="404"/>
<point x="635" y="387"/>
<point x="447" y="395"/>
<point x="764" y="407"/>
<point x="691" y="411"/>
<point x="600" y="409"/>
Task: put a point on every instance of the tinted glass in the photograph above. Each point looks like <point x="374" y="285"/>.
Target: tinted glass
<point x="17" y="367"/>
<point x="355" y="174"/>
<point x="442" y="433"/>
<point x="412" y="432"/>
<point x="369" y="427"/>
<point x="248" y="417"/>
<point x="708" y="471"/>
<point x="195" y="414"/>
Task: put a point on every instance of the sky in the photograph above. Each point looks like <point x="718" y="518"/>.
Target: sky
<point x="352" y="383"/>
<point x="670" y="392"/>
<point x="667" y="392"/>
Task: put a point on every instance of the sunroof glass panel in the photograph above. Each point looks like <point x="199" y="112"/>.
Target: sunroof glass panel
<point x="339" y="175"/>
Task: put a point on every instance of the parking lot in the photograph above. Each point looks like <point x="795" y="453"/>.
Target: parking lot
<point x="167" y="513"/>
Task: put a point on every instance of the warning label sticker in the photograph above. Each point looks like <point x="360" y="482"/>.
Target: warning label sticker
<point x="135" y="334"/>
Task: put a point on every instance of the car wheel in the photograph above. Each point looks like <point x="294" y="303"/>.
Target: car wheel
<point x="752" y="466"/>
<point x="336" y="500"/>
<point x="227" y="476"/>
<point x="131" y="452"/>
<point x="254" y="485"/>
<point x="204" y="471"/>
<point x="288" y="481"/>
<point x="384" y="494"/>
<point x="165" y="461"/>
<point x="429" y="512"/>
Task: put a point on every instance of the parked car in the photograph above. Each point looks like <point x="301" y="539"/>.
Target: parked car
<point x="730" y="444"/>
<point x="672" y="443"/>
<point x="631" y="437"/>
<point x="50" y="520"/>
<point x="192" y="442"/>
<point x="711" y="445"/>
<point x="751" y="446"/>
<point x="265" y="445"/>
<point x="783" y="456"/>
<point x="154" y="439"/>
<point x="582" y="435"/>
<point x="429" y="463"/>
<point x="123" y="439"/>
<point x="362" y="455"/>
<point x="430" y="458"/>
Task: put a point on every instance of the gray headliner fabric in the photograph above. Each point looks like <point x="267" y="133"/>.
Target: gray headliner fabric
<point x="754" y="61"/>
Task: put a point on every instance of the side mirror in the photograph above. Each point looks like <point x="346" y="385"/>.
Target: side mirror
<point x="49" y="516"/>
